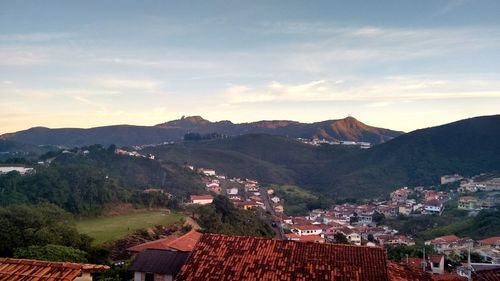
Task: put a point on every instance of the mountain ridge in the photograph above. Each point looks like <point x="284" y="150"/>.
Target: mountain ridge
<point x="125" y="135"/>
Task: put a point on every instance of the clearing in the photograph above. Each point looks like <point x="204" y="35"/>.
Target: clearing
<point x="110" y="228"/>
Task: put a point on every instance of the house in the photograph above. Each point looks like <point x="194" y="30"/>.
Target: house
<point x="26" y="269"/>
<point x="351" y="235"/>
<point x="491" y="241"/>
<point x="247" y="205"/>
<point x="308" y="229"/>
<point x="450" y="243"/>
<point x="222" y="257"/>
<point x="156" y="265"/>
<point x="275" y="199"/>
<point x="401" y="195"/>
<point x="184" y="243"/>
<point x="279" y="208"/>
<point x="469" y="203"/>
<point x="207" y="172"/>
<point x="232" y="191"/>
<point x="433" y="206"/>
<point x="162" y="259"/>
<point x="436" y="264"/>
<point x="201" y="199"/>
<point x="450" y="178"/>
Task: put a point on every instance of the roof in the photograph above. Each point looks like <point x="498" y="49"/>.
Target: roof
<point x="221" y="257"/>
<point x="159" y="261"/>
<point x="490" y="241"/>
<point x="25" y="269"/>
<point x="435" y="259"/>
<point x="309" y="226"/>
<point x="445" y="239"/>
<point x="184" y="243"/>
<point x="487" y="275"/>
<point x="403" y="272"/>
<point x="201" y="197"/>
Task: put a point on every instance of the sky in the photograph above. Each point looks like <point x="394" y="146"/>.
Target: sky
<point x="396" y="64"/>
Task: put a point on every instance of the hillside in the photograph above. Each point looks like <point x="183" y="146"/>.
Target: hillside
<point x="467" y="147"/>
<point x="126" y="135"/>
<point x="12" y="149"/>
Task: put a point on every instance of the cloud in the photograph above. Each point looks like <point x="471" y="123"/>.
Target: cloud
<point x="384" y="92"/>
<point x="34" y="37"/>
<point x="121" y="84"/>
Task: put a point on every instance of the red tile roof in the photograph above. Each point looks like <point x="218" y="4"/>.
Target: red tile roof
<point x="490" y="241"/>
<point x="403" y="272"/>
<point x="24" y="269"/>
<point x="486" y="275"/>
<point x="201" y="197"/>
<point x="445" y="239"/>
<point x="220" y="257"/>
<point x="184" y="243"/>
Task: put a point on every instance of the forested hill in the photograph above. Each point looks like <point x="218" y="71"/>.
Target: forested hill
<point x="125" y="135"/>
<point x="468" y="147"/>
<point x="86" y="183"/>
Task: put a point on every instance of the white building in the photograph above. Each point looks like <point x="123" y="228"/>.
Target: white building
<point x="275" y="199"/>
<point x="307" y="229"/>
<point x="232" y="191"/>
<point x="201" y="199"/>
<point x="20" y="169"/>
<point x="450" y="178"/>
<point x="207" y="172"/>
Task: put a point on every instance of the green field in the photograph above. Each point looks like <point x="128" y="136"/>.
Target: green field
<point x="104" y="229"/>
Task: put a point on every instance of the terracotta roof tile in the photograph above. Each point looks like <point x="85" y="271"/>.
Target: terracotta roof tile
<point x="403" y="272"/>
<point x="184" y="243"/>
<point x="24" y="269"/>
<point x="220" y="257"/>
<point x="486" y="275"/>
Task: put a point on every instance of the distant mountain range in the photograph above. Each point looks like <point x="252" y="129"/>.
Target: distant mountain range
<point x="124" y="135"/>
<point x="467" y="147"/>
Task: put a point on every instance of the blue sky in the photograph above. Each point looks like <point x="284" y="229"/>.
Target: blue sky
<point x="397" y="64"/>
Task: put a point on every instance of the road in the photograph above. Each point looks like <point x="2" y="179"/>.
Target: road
<point x="278" y="229"/>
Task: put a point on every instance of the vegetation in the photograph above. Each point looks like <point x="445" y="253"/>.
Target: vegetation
<point x="299" y="201"/>
<point x="38" y="225"/>
<point x="85" y="183"/>
<point x="400" y="253"/>
<point x="223" y="217"/>
<point x="51" y="252"/>
<point x="110" y="228"/>
<point x="468" y="147"/>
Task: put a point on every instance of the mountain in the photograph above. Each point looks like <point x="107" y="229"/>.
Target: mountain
<point x="125" y="135"/>
<point x="342" y="129"/>
<point x="420" y="157"/>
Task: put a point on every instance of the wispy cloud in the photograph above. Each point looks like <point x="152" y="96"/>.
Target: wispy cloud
<point x="382" y="93"/>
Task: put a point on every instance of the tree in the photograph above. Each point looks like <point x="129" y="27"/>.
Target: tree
<point x="340" y="238"/>
<point x="378" y="218"/>
<point x="51" y="252"/>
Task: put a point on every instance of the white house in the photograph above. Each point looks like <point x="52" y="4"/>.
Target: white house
<point x="207" y="172"/>
<point x="201" y="199"/>
<point x="275" y="199"/>
<point x="232" y="191"/>
<point x="307" y="229"/>
<point x="433" y="207"/>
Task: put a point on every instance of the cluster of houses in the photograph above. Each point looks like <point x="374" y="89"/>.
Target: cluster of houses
<point x="473" y="203"/>
<point x="425" y="201"/>
<point x="471" y="186"/>
<point x="354" y="222"/>
<point x="488" y="249"/>
<point x="318" y="142"/>
<point x="244" y="193"/>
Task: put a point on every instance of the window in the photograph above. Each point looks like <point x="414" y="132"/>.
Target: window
<point x="149" y="277"/>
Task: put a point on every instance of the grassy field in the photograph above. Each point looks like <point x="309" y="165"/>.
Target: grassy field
<point x="104" y="229"/>
<point x="296" y="199"/>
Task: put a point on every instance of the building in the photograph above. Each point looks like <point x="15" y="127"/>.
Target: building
<point x="434" y="206"/>
<point x="450" y="178"/>
<point x="401" y="195"/>
<point x="468" y="203"/>
<point x="157" y="265"/>
<point x="232" y="191"/>
<point x="207" y="172"/>
<point x="450" y="244"/>
<point x="222" y="257"/>
<point x="275" y="199"/>
<point x="4" y="169"/>
<point x="201" y="199"/>
<point x="436" y="264"/>
<point x="184" y="243"/>
<point x="26" y="269"/>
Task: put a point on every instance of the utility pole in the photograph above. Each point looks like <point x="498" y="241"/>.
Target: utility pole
<point x="423" y="261"/>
